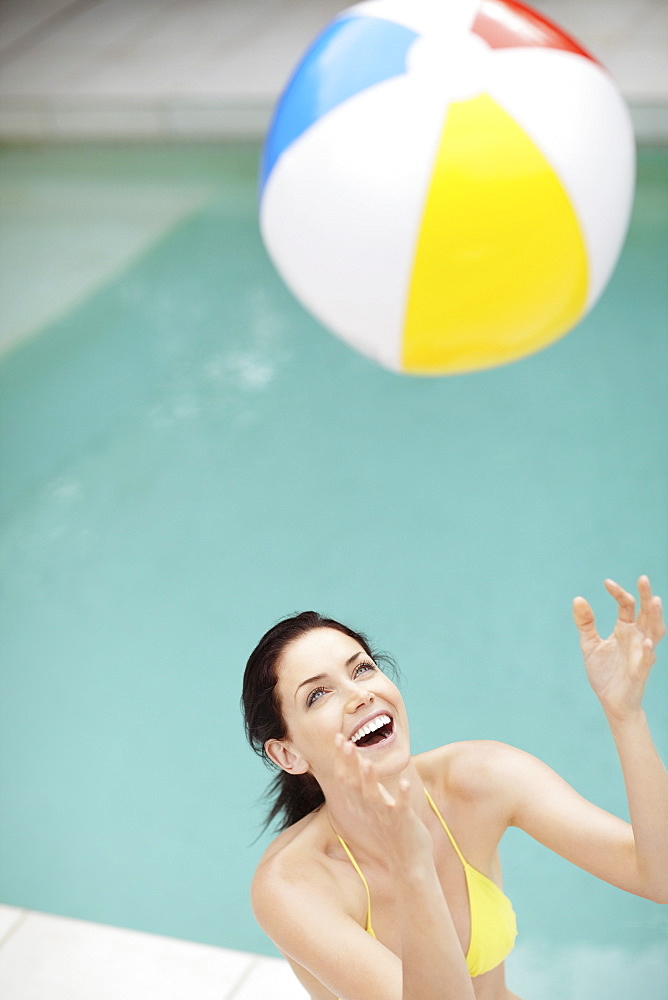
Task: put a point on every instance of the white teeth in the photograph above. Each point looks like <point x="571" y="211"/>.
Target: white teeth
<point x="371" y="727"/>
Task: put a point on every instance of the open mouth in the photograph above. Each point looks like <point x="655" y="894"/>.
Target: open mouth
<point x="375" y="732"/>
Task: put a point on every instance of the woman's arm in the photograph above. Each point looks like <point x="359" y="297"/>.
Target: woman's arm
<point x="632" y="856"/>
<point x="304" y="914"/>
<point x="618" y="668"/>
<point x="307" y="919"/>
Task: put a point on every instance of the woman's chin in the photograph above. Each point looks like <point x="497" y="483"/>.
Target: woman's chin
<point x="389" y="759"/>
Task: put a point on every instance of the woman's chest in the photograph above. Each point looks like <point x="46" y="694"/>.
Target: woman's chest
<point x="387" y="926"/>
<point x="385" y="919"/>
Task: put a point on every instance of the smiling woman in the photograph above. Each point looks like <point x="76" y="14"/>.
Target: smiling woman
<point x="362" y="820"/>
<point x="293" y="795"/>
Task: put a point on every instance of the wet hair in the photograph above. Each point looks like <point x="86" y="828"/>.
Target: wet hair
<point x="291" y="796"/>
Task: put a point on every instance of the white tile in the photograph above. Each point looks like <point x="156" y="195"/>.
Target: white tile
<point x="18" y="18"/>
<point x="652" y="30"/>
<point x="592" y="22"/>
<point x="97" y="27"/>
<point x="99" y="34"/>
<point x="641" y="73"/>
<point x="35" y="74"/>
<point x="54" y="958"/>
<point x="252" y="73"/>
<point x="270" y="978"/>
<point x="160" y="76"/>
<point x="203" y="24"/>
<point x="10" y="917"/>
<point x="162" y="51"/>
<point x="114" y="49"/>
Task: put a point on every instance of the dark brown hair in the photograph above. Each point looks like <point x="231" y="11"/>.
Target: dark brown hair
<point x="292" y="796"/>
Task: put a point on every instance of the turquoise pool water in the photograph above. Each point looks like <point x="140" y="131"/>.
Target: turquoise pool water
<point x="187" y="456"/>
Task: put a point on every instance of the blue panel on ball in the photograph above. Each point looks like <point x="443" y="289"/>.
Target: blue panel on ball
<point x="352" y="54"/>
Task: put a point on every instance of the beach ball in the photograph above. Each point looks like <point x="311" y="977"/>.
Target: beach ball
<point x="446" y="184"/>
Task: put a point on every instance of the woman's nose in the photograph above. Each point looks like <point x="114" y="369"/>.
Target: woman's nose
<point x="357" y="698"/>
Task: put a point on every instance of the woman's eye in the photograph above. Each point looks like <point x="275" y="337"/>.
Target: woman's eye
<point x="364" y="667"/>
<point x="314" y="695"/>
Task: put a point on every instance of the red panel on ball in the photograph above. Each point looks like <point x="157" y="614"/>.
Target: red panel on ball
<point x="506" y="24"/>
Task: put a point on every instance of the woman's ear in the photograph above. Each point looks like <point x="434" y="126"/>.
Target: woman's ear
<point x="283" y="754"/>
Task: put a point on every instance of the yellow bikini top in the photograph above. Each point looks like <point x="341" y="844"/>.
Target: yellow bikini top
<point x="493" y="923"/>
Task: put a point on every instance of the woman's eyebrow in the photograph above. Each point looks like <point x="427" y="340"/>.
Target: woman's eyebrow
<point x="311" y="680"/>
<point x="322" y="677"/>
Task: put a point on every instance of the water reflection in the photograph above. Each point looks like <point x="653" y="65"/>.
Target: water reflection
<point x="540" y="971"/>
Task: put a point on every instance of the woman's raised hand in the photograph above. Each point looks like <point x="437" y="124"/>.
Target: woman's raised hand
<point x="618" y="667"/>
<point x="389" y="823"/>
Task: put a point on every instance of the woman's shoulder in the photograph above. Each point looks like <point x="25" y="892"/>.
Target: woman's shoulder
<point x="466" y="769"/>
<point x="294" y="855"/>
<point x="300" y="838"/>
<point x="295" y="882"/>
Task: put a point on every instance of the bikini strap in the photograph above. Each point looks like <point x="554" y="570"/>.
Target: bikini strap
<point x="364" y="882"/>
<point x="445" y="827"/>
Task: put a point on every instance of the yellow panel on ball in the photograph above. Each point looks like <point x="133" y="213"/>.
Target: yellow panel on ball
<point x="500" y="268"/>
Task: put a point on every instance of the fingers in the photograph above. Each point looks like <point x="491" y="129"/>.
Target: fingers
<point x="353" y="770"/>
<point x="626" y="602"/>
<point x="404" y="795"/>
<point x="645" y="591"/>
<point x="584" y="619"/>
<point x="368" y="783"/>
<point x="656" y="628"/>
<point x="345" y="766"/>
<point x="650" y="618"/>
<point x="648" y="655"/>
<point x="357" y="774"/>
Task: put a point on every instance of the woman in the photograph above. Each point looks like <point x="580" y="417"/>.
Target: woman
<point x="385" y="882"/>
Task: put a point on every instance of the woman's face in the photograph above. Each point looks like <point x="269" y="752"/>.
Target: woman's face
<point x="328" y="684"/>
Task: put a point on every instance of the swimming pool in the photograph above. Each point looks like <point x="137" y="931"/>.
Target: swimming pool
<point x="187" y="456"/>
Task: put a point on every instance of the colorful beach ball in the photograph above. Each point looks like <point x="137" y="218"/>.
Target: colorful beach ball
<point x="446" y="184"/>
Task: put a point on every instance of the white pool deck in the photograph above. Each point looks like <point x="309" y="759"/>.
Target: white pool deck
<point x="77" y="69"/>
<point x="44" y="957"/>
